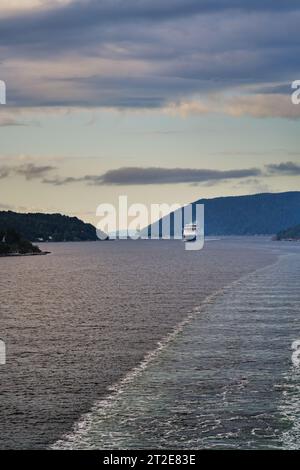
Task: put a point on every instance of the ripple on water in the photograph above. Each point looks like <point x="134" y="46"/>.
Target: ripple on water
<point x="222" y="379"/>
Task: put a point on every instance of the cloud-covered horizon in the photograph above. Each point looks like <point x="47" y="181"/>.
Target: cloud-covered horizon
<point x="153" y="55"/>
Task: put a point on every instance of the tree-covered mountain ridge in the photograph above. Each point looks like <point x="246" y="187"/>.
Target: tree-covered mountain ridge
<point x="258" y="214"/>
<point x="39" y="227"/>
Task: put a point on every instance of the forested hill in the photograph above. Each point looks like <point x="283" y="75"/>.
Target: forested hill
<point x="292" y="233"/>
<point x="11" y="243"/>
<point x="259" y="214"/>
<point x="47" y="227"/>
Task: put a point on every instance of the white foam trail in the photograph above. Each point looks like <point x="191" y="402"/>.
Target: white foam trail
<point x="290" y="410"/>
<point x="83" y="425"/>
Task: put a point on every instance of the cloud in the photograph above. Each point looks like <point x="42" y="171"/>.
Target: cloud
<point x="263" y="106"/>
<point x="260" y="106"/>
<point x="253" y="105"/>
<point x="29" y="171"/>
<point x="148" y="54"/>
<point x="130" y="176"/>
<point x="254" y="185"/>
<point x="287" y="168"/>
<point x="32" y="171"/>
<point x="10" y="7"/>
<point x="155" y="175"/>
<point x="59" y="181"/>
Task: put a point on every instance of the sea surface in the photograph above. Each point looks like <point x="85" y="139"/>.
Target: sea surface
<point x="132" y="345"/>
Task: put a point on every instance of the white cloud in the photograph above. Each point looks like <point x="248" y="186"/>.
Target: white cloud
<point x="256" y="106"/>
<point x="13" y="6"/>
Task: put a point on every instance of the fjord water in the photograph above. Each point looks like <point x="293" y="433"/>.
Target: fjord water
<point x="145" y="345"/>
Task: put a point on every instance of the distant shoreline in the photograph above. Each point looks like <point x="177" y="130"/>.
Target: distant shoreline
<point x="9" y="255"/>
<point x="288" y="240"/>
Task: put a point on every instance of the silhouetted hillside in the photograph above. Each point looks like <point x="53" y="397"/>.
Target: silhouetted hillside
<point x="47" y="227"/>
<point x="292" y="233"/>
<point x="259" y="214"/>
<point x="11" y="243"/>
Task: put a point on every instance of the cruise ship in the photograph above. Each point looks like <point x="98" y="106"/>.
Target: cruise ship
<point x="189" y="232"/>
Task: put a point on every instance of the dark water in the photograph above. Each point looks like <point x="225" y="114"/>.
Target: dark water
<point x="174" y="348"/>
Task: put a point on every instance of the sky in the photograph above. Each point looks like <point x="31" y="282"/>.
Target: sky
<point x="165" y="101"/>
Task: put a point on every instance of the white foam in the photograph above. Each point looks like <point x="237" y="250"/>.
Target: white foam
<point x="101" y="407"/>
<point x="83" y="426"/>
